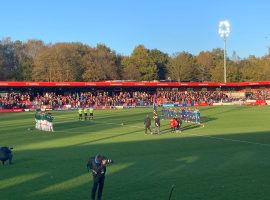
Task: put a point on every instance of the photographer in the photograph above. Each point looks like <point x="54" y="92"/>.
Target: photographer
<point x="97" y="165"/>
<point x="6" y="154"/>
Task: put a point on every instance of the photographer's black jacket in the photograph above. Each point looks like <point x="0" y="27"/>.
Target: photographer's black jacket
<point x="5" y="150"/>
<point x="5" y="154"/>
<point x="98" y="169"/>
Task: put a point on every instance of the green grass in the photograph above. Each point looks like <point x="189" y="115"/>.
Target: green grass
<point x="227" y="159"/>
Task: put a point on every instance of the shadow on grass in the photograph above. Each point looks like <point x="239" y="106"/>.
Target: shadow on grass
<point x="214" y="168"/>
<point x="227" y="109"/>
<point x="190" y="127"/>
<point x="206" y="119"/>
<point x="69" y="128"/>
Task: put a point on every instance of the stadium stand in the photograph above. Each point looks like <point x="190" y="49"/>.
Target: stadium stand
<point x="30" y="95"/>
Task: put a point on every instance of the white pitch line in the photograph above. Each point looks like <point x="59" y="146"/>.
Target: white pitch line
<point x="232" y="140"/>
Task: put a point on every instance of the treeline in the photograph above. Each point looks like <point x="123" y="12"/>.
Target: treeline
<point x="36" y="61"/>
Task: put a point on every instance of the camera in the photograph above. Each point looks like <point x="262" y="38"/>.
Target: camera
<point x="108" y="161"/>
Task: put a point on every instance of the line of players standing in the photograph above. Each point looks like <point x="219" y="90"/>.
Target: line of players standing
<point x="176" y="117"/>
<point x="85" y="111"/>
<point x="185" y="114"/>
<point x="44" y="121"/>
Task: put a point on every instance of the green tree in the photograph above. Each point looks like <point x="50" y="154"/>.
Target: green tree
<point x="217" y="54"/>
<point x="101" y="63"/>
<point x="182" y="67"/>
<point x="24" y="63"/>
<point x="8" y="62"/>
<point x="25" y="54"/>
<point x="130" y="69"/>
<point x="255" y="69"/>
<point x="217" y="74"/>
<point x="60" y="62"/>
<point x="205" y="62"/>
<point x="142" y="60"/>
<point x="233" y="73"/>
<point x="217" y="71"/>
<point x="161" y="60"/>
<point x="5" y="72"/>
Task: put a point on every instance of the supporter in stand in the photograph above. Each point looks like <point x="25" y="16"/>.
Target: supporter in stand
<point x="259" y="95"/>
<point x="53" y="100"/>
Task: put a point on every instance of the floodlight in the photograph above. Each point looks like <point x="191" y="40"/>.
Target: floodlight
<point x="224" y="30"/>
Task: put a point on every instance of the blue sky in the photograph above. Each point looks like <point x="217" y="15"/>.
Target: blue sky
<point x="170" y="26"/>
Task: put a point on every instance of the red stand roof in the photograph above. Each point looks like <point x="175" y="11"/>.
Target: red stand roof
<point x="131" y="84"/>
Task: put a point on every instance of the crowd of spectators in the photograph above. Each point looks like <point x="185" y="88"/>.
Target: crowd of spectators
<point x="193" y="97"/>
<point x="259" y="94"/>
<point x="14" y="100"/>
<point x="26" y="100"/>
<point x="77" y="99"/>
<point x="98" y="98"/>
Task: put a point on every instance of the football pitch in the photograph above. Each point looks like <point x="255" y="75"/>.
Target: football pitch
<point x="227" y="158"/>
